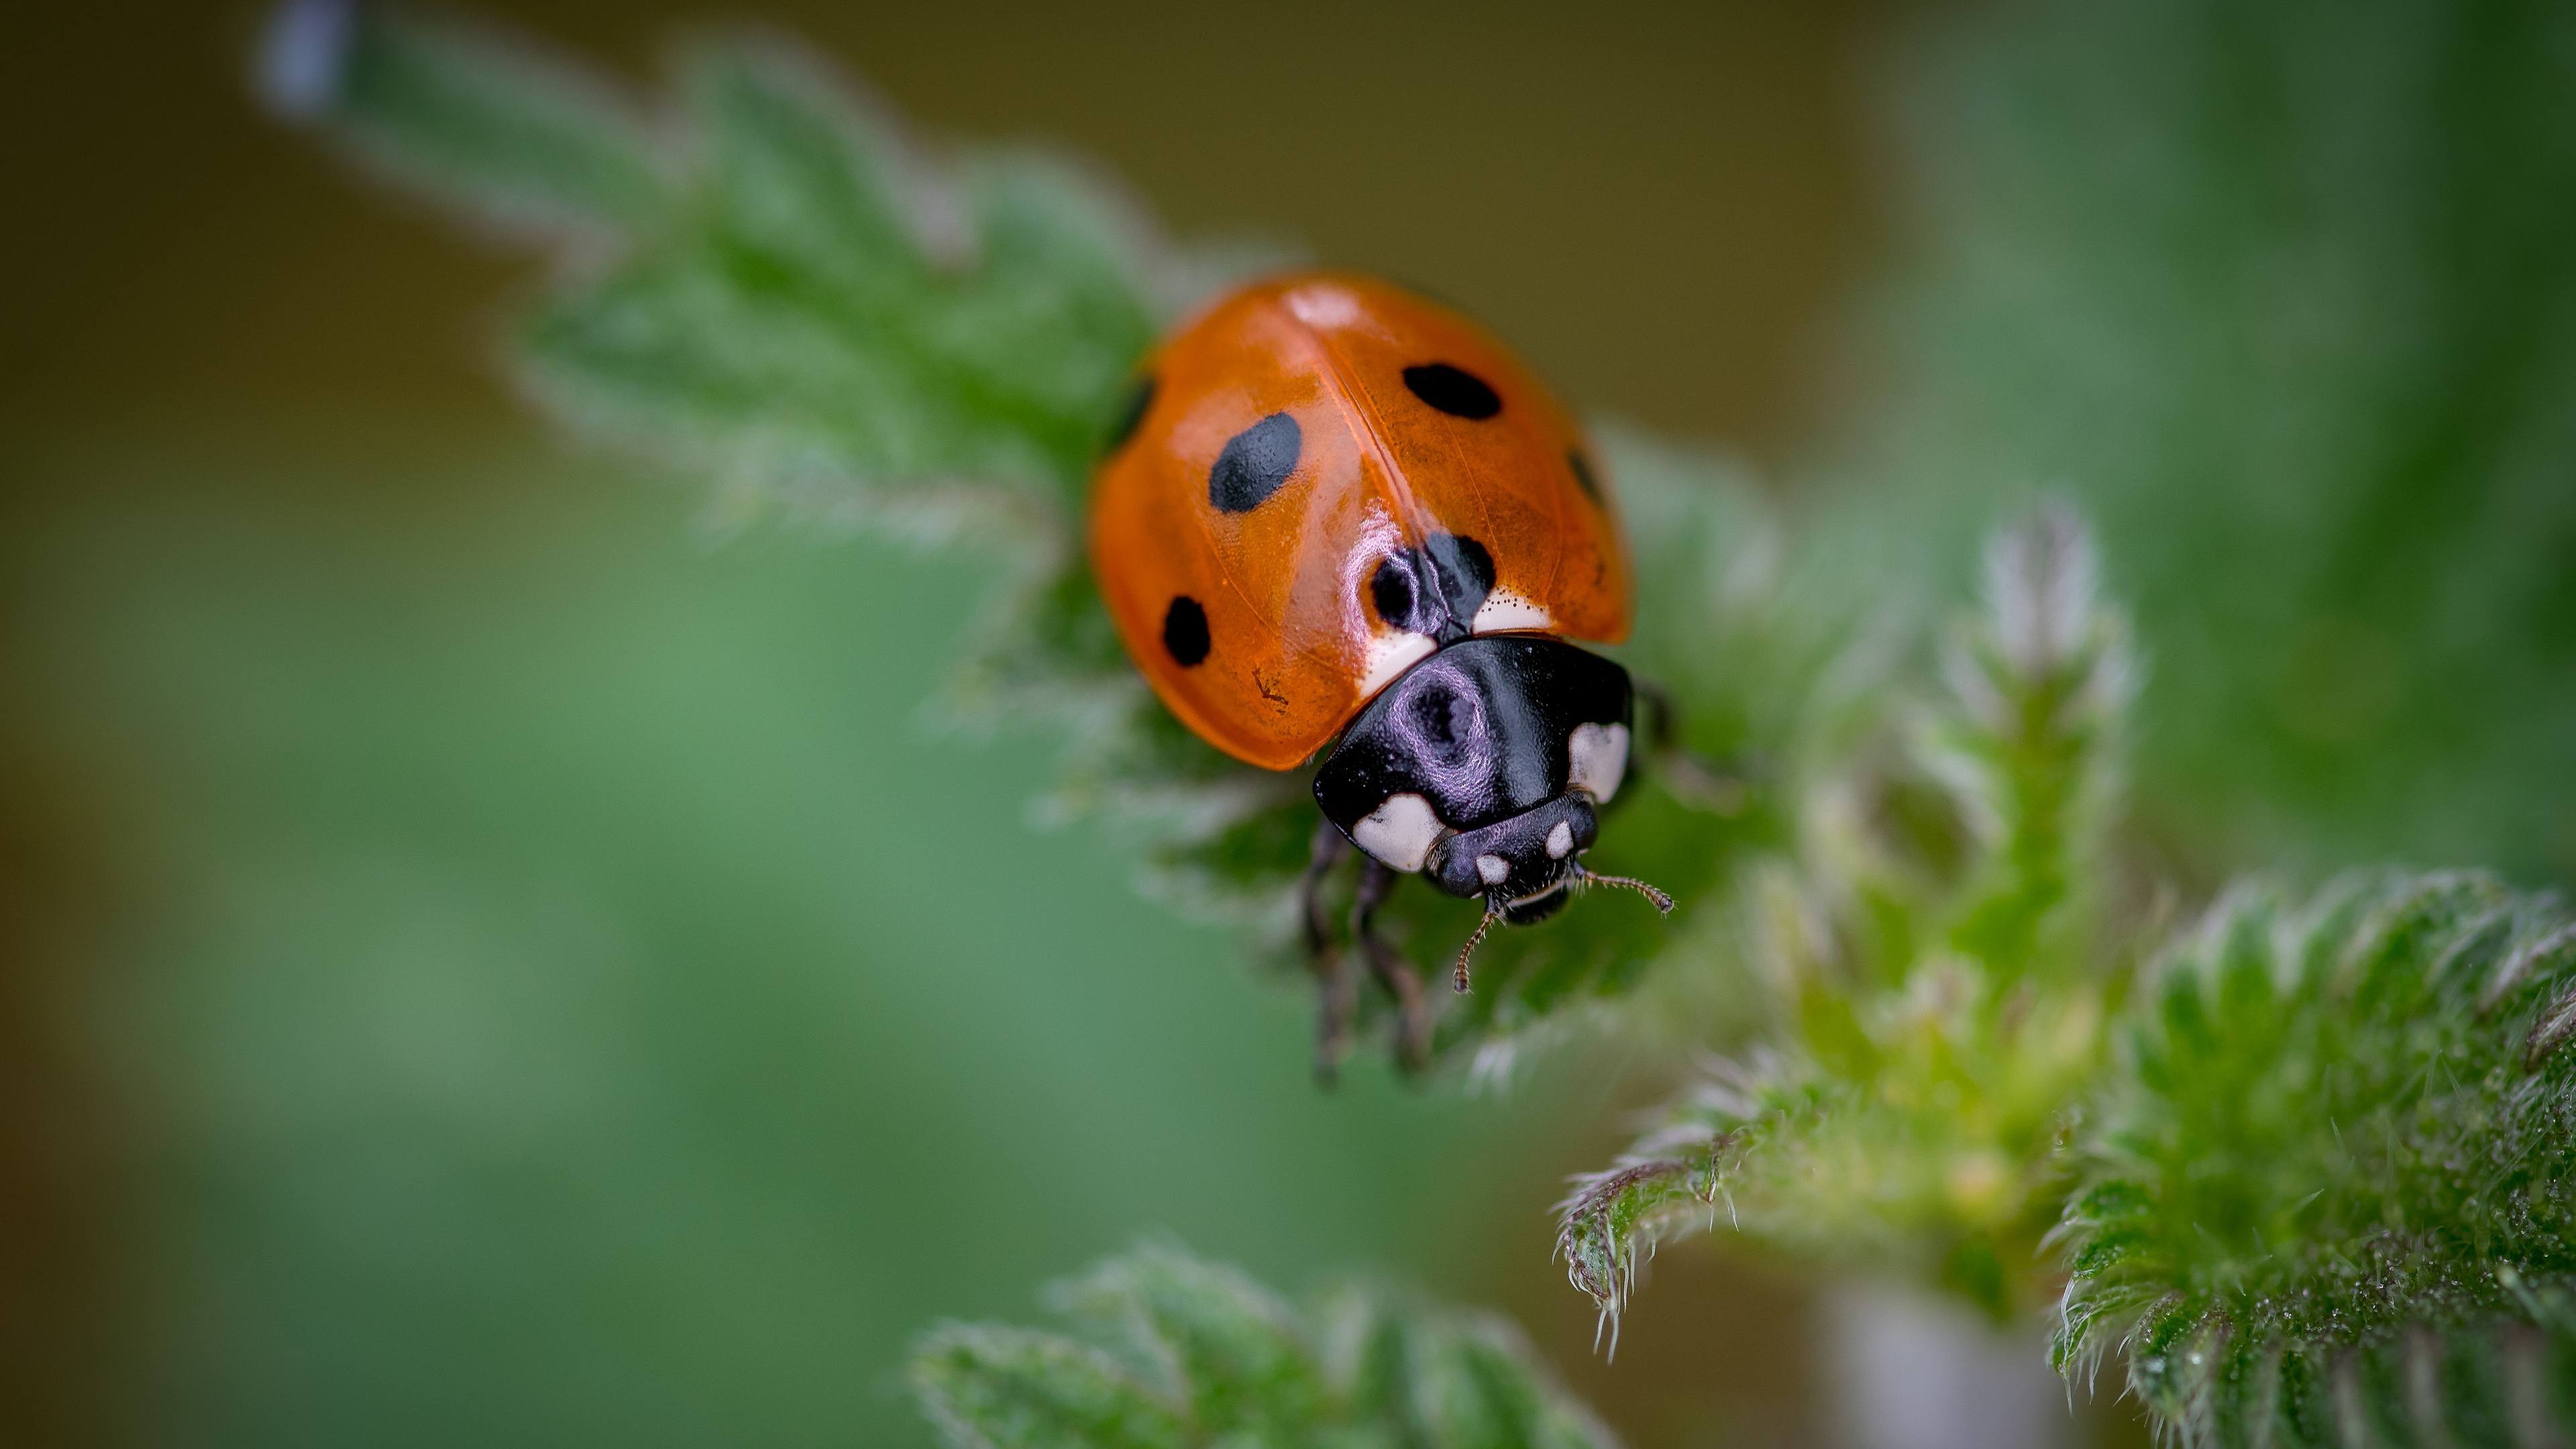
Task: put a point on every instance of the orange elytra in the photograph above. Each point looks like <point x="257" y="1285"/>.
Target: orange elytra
<point x="1336" y="464"/>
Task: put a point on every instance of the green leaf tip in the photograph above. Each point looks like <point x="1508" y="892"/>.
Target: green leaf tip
<point x="1941" y="978"/>
<point x="520" y="140"/>
<point x="1168" y="1350"/>
<point x="2333" y="1192"/>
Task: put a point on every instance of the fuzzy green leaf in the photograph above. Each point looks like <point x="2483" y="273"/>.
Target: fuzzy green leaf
<point x="1006" y="1388"/>
<point x="845" y="328"/>
<point x="1176" y="1351"/>
<point x="1941" y="986"/>
<point x="2337" y="1182"/>
<point x="2029" y="749"/>
<point x="1444" y="1379"/>
<point x="1212" y="1339"/>
<point x="784" y="293"/>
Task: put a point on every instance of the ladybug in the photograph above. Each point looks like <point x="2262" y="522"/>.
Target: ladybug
<point x="1339" y="521"/>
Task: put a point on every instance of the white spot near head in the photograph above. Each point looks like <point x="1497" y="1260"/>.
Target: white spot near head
<point x="1390" y="654"/>
<point x="1598" y="759"/>
<point x="1560" y="841"/>
<point x="1505" y="612"/>
<point x="1494" y="869"/>
<point x="1399" y="832"/>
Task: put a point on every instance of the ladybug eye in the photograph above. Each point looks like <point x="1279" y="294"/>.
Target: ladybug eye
<point x="1455" y="391"/>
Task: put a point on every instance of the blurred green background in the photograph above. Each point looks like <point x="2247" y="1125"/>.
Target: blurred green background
<point x="484" y="959"/>
<point x="488" y="962"/>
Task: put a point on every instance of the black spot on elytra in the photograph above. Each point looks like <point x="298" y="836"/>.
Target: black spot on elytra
<point x="1131" y="413"/>
<point x="1435" y="589"/>
<point x="1583" y="478"/>
<point x="1185" y="632"/>
<point x="1454" y="391"/>
<point x="1254" y="464"/>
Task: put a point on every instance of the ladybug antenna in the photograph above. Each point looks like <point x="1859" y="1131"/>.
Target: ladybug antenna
<point x="1663" y="902"/>
<point x="1458" y="973"/>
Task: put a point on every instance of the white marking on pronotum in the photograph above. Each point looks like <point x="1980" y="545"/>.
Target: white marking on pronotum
<point x="1391" y="654"/>
<point x="1505" y="612"/>
<point x="1598" y="759"/>
<point x="1399" y="832"/>
<point x="1493" y="868"/>
<point x="1560" y="841"/>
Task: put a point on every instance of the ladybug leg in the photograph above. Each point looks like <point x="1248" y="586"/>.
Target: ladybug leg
<point x="1413" y="1016"/>
<point x="1336" y="993"/>
<point x="1691" y="777"/>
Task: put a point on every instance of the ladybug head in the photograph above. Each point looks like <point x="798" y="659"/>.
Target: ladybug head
<point x="1522" y="865"/>
<point x="1484" y="767"/>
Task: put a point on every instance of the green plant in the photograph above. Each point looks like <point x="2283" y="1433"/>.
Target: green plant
<point x="2310" y="1170"/>
<point x="2331" y="1196"/>
<point x="1170" y="1350"/>
<point x="1940" y="980"/>
<point x="2305" y="1163"/>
